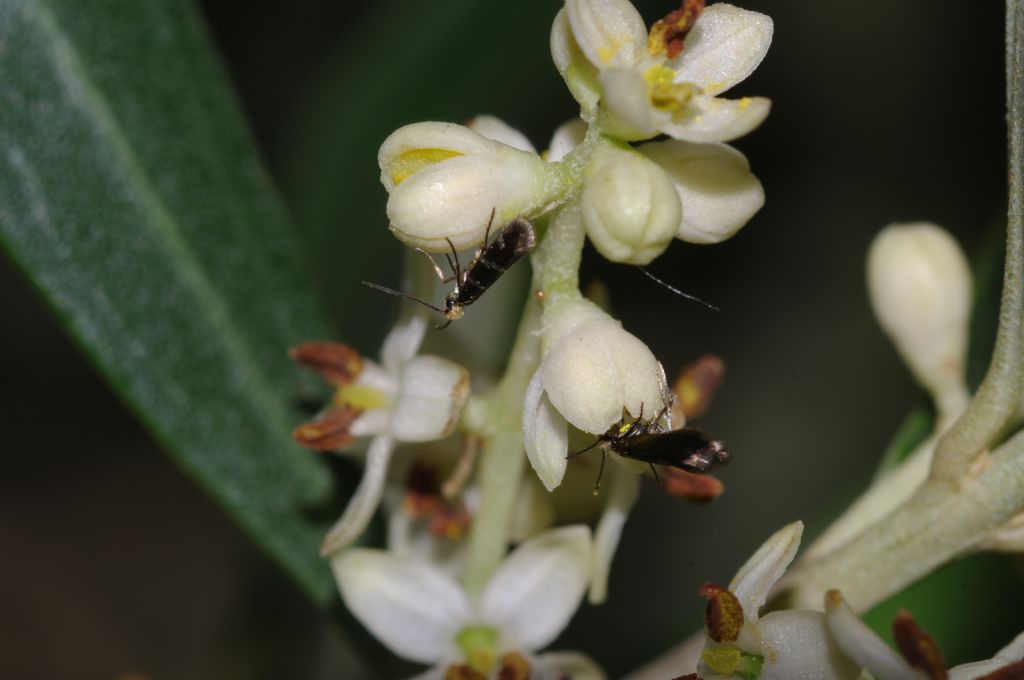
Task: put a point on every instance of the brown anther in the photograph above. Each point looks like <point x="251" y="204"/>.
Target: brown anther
<point x="696" y="387"/>
<point x="449" y="520"/>
<point x="422" y="489"/>
<point x="667" y="35"/>
<point x="463" y="672"/>
<point x="918" y="647"/>
<point x="513" y="667"/>
<point x="723" y="617"/>
<point x="329" y="431"/>
<point x="1015" y="671"/>
<point x="699" y="489"/>
<point x="336" y="363"/>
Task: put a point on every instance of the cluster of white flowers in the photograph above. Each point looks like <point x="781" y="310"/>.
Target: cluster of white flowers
<point x="645" y="163"/>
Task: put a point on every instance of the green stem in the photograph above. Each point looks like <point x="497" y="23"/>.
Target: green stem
<point x="503" y="458"/>
<point x="1000" y="392"/>
<point x="556" y="261"/>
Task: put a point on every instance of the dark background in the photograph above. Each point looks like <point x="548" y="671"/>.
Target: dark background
<point x="113" y="563"/>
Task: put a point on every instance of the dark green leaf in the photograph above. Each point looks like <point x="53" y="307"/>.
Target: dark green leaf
<point x="133" y="197"/>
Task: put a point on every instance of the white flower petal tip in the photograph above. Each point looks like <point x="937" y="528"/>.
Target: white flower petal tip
<point x="538" y="587"/>
<point x="431" y="396"/>
<point x="724" y="47"/>
<point x="630" y="207"/>
<point x="625" y="487"/>
<point x="498" y="130"/>
<point x="567" y="137"/>
<point x="545" y="435"/>
<point x="920" y="288"/>
<point x="364" y="501"/>
<point x="611" y="33"/>
<point x="567" y="665"/>
<point x="402" y="343"/>
<point x="755" y="579"/>
<point x="579" y="74"/>
<point x="412" y="608"/>
<point x="711" y="119"/>
<point x="593" y="369"/>
<point x="718" y="192"/>
<point x="446" y="180"/>
<point x="861" y="644"/>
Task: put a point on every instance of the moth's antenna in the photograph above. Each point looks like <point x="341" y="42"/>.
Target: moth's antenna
<point x="399" y="293"/>
<point x="678" y="292"/>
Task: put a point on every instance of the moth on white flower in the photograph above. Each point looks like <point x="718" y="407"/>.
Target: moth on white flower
<point x="445" y="180"/>
<point x="920" y="287"/>
<point x="591" y="371"/>
<point x="424" y="615"/>
<point x="604" y="52"/>
<point x="405" y="398"/>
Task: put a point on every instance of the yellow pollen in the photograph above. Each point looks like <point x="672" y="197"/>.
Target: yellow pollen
<point x="722" y="660"/>
<point x="744" y="103"/>
<point x="667" y="95"/>
<point x="361" y="396"/>
<point x="607" y="53"/>
<point x="410" y="162"/>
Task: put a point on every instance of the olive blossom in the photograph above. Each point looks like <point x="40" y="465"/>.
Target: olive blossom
<point x="405" y="398"/>
<point x="591" y="372"/>
<point x="424" y="615"/>
<point x="446" y="180"/>
<point x="647" y="86"/>
<point x="782" y="645"/>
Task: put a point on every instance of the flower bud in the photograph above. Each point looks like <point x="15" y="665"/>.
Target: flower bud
<point x="445" y="180"/>
<point x="920" y="288"/>
<point x="630" y="208"/>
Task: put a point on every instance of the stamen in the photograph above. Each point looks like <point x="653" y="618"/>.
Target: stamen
<point x="918" y="647"/>
<point x="699" y="489"/>
<point x="328" y="432"/>
<point x="338" y="364"/>
<point x="723" y="617"/>
<point x="667" y="95"/>
<point x="696" y="386"/>
<point x="668" y="34"/>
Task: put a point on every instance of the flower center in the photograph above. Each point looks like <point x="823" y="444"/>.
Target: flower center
<point x="666" y="95"/>
<point x="363" y="397"/>
<point x="410" y="162"/>
<point x="479" y="645"/>
<point x="729" y="660"/>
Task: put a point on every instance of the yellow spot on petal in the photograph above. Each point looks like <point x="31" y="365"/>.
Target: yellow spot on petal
<point x="667" y="95"/>
<point x="744" y="103"/>
<point x="410" y="162"/>
<point x="361" y="397"/>
<point x="606" y="54"/>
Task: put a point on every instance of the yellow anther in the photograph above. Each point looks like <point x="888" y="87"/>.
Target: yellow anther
<point x="410" y="162"/>
<point x="722" y="660"/>
<point x="667" y="95"/>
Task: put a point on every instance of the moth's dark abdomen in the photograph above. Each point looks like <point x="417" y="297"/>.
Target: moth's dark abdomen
<point x="514" y="241"/>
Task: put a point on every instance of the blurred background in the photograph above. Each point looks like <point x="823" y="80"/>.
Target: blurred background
<point x="115" y="566"/>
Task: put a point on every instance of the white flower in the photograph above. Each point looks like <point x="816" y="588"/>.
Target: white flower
<point x="920" y="286"/>
<point x="629" y="205"/>
<point x="646" y="84"/>
<point x="862" y="645"/>
<point x="782" y="645"/>
<point x="445" y="180"/>
<point x="424" y="615"/>
<point x="592" y="370"/>
<point x="405" y="398"/>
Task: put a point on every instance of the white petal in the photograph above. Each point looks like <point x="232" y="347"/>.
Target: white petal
<point x="372" y="423"/>
<point x="364" y="501"/>
<point x="630" y="115"/>
<point x="755" y="579"/>
<point x="545" y="435"/>
<point x="801" y="648"/>
<point x="625" y="487"/>
<point x="580" y="378"/>
<point x="402" y="343"/>
<point x="408" y="605"/>
<point x="567" y="137"/>
<point x="538" y="587"/>
<point x="430" y="674"/>
<point x="718" y="192"/>
<point x="454" y="198"/>
<point x="711" y="119"/>
<point x="724" y="47"/>
<point x="429" y="135"/>
<point x="610" y="32"/>
<point x="432" y="393"/>
<point x="643" y="381"/>
<point x="495" y="128"/>
<point x="575" y="665"/>
<point x="862" y="645"/>
<point x="579" y="74"/>
<point x="1013" y="651"/>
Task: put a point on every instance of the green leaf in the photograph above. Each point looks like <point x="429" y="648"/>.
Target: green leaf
<point x="134" y="199"/>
